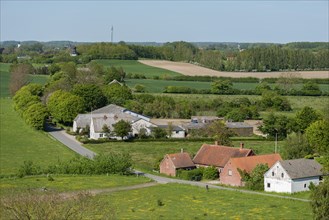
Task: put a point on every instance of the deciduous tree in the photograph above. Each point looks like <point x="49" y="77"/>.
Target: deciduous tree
<point x="318" y="136"/>
<point x="19" y="76"/>
<point x="122" y="128"/>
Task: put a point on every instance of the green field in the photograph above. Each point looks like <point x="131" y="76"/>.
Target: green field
<point x="135" y="67"/>
<point x="5" y="78"/>
<point x="19" y="143"/>
<point x="146" y="154"/>
<point x="320" y="103"/>
<point x="158" y="86"/>
<point x="63" y="183"/>
<point x="190" y="202"/>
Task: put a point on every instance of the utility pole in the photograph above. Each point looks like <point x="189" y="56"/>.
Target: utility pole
<point x="276" y="142"/>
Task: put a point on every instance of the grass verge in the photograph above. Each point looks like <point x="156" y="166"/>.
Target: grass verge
<point x="19" y="143"/>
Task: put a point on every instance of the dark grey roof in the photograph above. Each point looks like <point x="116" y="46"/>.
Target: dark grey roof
<point x="237" y="125"/>
<point x="301" y="168"/>
<point x="194" y="125"/>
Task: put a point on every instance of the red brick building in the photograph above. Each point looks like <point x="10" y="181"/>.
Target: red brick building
<point x="230" y="174"/>
<point x="218" y="156"/>
<point x="172" y="162"/>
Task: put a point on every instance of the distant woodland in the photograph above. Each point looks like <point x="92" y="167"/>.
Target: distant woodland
<point x="260" y="57"/>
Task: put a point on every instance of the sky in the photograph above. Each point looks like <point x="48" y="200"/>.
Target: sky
<point x="165" y="21"/>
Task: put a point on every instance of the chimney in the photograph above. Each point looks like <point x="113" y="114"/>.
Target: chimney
<point x="216" y="142"/>
<point x="181" y="150"/>
<point x="241" y="145"/>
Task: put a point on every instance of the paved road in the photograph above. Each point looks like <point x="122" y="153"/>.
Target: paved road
<point x="70" y="142"/>
<point x="74" y="145"/>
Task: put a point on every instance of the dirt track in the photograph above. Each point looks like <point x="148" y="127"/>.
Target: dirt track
<point x="193" y="70"/>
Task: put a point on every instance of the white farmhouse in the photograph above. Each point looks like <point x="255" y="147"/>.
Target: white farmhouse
<point x="290" y="176"/>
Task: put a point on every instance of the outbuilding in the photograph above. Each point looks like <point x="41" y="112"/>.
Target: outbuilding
<point x="173" y="162"/>
<point x="290" y="176"/>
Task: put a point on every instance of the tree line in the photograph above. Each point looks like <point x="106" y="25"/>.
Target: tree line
<point x="266" y="58"/>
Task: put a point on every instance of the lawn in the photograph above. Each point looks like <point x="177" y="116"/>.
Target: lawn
<point x="176" y="201"/>
<point x="19" y="143"/>
<point x="158" y="86"/>
<point x="135" y="67"/>
<point x="146" y="154"/>
<point x="5" y="78"/>
<point x="68" y="182"/>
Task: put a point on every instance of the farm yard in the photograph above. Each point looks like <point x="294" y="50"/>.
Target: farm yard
<point x="194" y="70"/>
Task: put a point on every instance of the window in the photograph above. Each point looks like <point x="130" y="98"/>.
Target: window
<point x="305" y="185"/>
<point x="268" y="185"/>
<point x="101" y="135"/>
<point x="272" y="173"/>
<point x="230" y="172"/>
<point x="282" y="175"/>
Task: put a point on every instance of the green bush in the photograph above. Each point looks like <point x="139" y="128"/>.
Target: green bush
<point x="210" y="173"/>
<point x="35" y="116"/>
<point x="193" y="175"/>
<point x="102" y="164"/>
<point x="28" y="168"/>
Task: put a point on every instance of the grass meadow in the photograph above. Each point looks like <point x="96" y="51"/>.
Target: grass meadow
<point x="158" y="86"/>
<point x="19" y="143"/>
<point x="63" y="183"/>
<point x="135" y="67"/>
<point x="176" y="201"/>
<point x="146" y="154"/>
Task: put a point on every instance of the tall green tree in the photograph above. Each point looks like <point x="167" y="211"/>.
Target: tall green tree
<point x="296" y="146"/>
<point x="320" y="200"/>
<point x="305" y="117"/>
<point x="35" y="116"/>
<point x="318" y="136"/>
<point x="117" y="94"/>
<point x="276" y="125"/>
<point x="64" y="106"/>
<point x="219" y="132"/>
<point x="122" y="128"/>
<point x="91" y="94"/>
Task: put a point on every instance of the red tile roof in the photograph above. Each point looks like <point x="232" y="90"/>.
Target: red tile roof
<point x="181" y="160"/>
<point x="215" y="155"/>
<point x="249" y="163"/>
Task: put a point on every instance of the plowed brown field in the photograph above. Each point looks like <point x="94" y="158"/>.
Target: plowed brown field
<point x="194" y="70"/>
